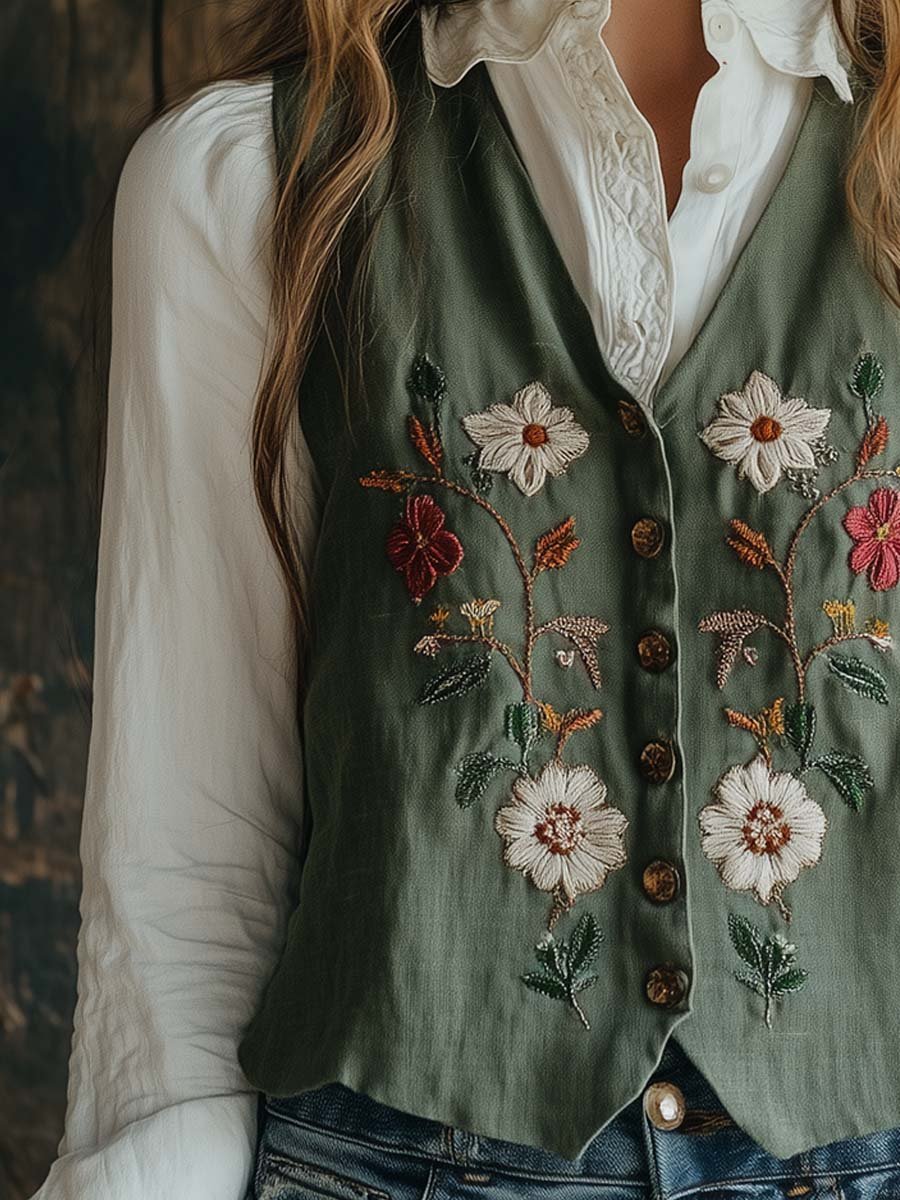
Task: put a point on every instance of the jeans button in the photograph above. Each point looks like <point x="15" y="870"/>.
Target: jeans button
<point x="664" y="1105"/>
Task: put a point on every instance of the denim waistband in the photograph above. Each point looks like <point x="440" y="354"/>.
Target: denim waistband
<point x="707" y="1147"/>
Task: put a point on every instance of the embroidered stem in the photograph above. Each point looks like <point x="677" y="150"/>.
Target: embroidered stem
<point x="523" y="672"/>
<point x="786" y="575"/>
<point x="835" y="640"/>
<point x="483" y="640"/>
<point x="561" y="905"/>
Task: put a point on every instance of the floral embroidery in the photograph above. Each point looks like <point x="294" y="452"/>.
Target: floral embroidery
<point x="875" y="530"/>
<point x="762" y="830"/>
<point x="557" y="830"/>
<point x="764" y="854"/>
<point x="560" y="832"/>
<point x="765" y="434"/>
<point x="480" y="614"/>
<point x="421" y="548"/>
<point x="440" y="615"/>
<point x="564" y="966"/>
<point x="773" y="971"/>
<point x="528" y="439"/>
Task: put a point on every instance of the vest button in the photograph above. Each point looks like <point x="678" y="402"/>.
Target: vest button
<point x="654" y="651"/>
<point x="661" y="881"/>
<point x="657" y="761"/>
<point x="647" y="537"/>
<point x="664" y="1105"/>
<point x="666" y="986"/>
<point x="632" y="418"/>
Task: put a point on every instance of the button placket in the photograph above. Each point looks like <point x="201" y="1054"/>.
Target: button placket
<point x="665" y="985"/>
<point x="654" y="651"/>
<point x="657" y="761"/>
<point x="715" y="178"/>
<point x="721" y="27"/>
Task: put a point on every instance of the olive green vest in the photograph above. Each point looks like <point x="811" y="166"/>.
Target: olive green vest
<point x="600" y="729"/>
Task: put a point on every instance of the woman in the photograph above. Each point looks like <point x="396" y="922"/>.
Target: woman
<point x="596" y="348"/>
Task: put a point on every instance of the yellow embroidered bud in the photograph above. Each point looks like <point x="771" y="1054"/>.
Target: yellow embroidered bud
<point x="843" y="616"/>
<point x="439" y="616"/>
<point x="774" y="716"/>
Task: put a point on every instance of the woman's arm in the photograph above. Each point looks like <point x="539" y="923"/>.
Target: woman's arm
<point x="193" y="794"/>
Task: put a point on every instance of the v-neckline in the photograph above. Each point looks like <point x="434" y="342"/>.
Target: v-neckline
<point x="804" y="141"/>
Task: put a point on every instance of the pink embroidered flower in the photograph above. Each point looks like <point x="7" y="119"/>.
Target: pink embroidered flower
<point x="875" y="528"/>
<point x="420" y="548"/>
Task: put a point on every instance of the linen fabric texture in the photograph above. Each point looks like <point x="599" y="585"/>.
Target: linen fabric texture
<point x="403" y="971"/>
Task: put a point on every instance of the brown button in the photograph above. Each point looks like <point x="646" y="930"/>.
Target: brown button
<point x="654" y="651"/>
<point x="661" y="881"/>
<point x="632" y="419"/>
<point x="657" y="761"/>
<point x="666" y="986"/>
<point x="647" y="537"/>
<point x="664" y="1105"/>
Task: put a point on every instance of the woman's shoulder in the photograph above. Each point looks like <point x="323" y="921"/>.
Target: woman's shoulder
<point x="204" y="169"/>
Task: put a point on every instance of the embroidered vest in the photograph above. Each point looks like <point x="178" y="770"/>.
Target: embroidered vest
<point x="600" y="728"/>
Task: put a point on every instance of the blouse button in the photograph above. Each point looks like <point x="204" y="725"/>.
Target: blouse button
<point x="654" y="651"/>
<point x="657" y="761"/>
<point x="666" y="986"/>
<point x="632" y="418"/>
<point x="721" y="27"/>
<point x="661" y="881"/>
<point x="647" y="537"/>
<point x="664" y="1105"/>
<point x="715" y="178"/>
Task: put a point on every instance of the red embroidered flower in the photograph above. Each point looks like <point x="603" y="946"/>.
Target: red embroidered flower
<point x="875" y="529"/>
<point x="421" y="548"/>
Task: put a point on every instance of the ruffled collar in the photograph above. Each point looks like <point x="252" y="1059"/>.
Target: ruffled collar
<point x="798" y="37"/>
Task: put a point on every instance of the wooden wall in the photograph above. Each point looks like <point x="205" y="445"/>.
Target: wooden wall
<point x="78" y="75"/>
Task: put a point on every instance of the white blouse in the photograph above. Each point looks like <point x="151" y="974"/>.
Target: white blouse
<point x="193" y="793"/>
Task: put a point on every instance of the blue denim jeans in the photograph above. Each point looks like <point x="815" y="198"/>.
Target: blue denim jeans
<point x="333" y="1143"/>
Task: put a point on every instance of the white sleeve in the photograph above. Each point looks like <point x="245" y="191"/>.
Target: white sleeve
<point x="193" y="793"/>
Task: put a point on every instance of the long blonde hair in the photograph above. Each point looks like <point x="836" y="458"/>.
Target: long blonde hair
<point x="342" y="45"/>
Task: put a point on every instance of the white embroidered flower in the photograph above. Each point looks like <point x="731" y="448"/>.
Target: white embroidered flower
<point x="560" y="832"/>
<point x="765" y="433"/>
<point x="762" y="829"/>
<point x="528" y="439"/>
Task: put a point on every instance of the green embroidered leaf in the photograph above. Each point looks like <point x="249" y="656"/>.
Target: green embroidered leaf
<point x="751" y="980"/>
<point x="456" y="679"/>
<point x="776" y="951"/>
<point x="565" y="963"/>
<point x="538" y="981"/>
<point x="849" y="774"/>
<point x="585" y="981"/>
<point x="867" y="378"/>
<point x="482" y="481"/>
<point x="775" y="974"/>
<point x="790" y="981"/>
<point x="427" y="380"/>
<point x="800" y="727"/>
<point x="475" y="772"/>
<point x="546" y="954"/>
<point x="584" y="944"/>
<point x="859" y="677"/>
<point x="746" y="940"/>
<point x="522" y="723"/>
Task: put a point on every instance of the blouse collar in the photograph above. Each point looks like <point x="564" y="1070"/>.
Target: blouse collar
<point x="797" y="37"/>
